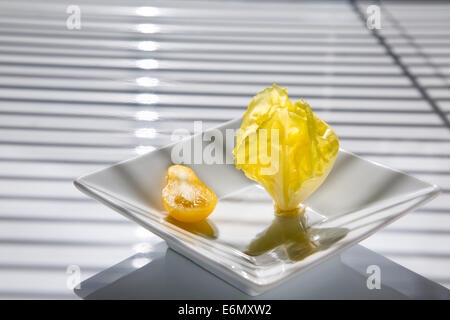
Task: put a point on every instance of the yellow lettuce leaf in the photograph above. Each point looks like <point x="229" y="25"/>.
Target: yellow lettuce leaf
<point x="284" y="147"/>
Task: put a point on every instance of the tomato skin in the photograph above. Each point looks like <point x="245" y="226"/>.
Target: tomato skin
<point x="185" y="197"/>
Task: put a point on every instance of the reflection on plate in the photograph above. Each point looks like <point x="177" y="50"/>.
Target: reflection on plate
<point x="297" y="239"/>
<point x="203" y="228"/>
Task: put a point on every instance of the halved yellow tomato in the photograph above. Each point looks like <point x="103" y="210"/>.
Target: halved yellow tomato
<point x="185" y="197"/>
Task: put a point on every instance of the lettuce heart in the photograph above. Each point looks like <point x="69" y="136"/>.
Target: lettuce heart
<point x="284" y="147"/>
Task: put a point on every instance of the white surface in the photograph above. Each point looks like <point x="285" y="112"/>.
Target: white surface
<point x="46" y="143"/>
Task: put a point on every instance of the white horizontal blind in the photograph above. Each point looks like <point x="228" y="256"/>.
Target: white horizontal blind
<point x="72" y="101"/>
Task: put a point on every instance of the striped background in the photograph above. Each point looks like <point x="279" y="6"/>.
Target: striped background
<point x="72" y="101"/>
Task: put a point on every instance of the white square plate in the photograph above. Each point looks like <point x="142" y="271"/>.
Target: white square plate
<point x="242" y="242"/>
